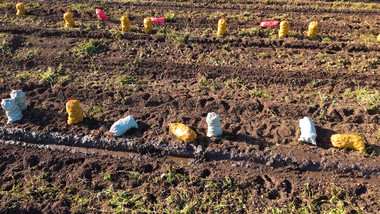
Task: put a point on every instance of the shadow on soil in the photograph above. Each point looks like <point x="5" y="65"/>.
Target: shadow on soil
<point x="40" y="116"/>
<point x="91" y="123"/>
<point x="372" y="150"/>
<point x="247" y="139"/>
<point x="323" y="137"/>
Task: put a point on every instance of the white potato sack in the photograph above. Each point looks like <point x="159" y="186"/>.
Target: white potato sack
<point x="308" y="132"/>
<point x="213" y="125"/>
<point x="20" y="99"/>
<point x="12" y="110"/>
<point x="123" y="125"/>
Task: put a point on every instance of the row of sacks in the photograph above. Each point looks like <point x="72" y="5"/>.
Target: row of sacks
<point x="17" y="103"/>
<point x="148" y="27"/>
<point x="308" y="133"/>
<point x="121" y="126"/>
<point x="125" y="24"/>
<point x="222" y="23"/>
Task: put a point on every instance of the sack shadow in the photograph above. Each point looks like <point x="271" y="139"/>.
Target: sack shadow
<point x="372" y="150"/>
<point x="40" y="116"/>
<point x="43" y="118"/>
<point x="89" y="123"/>
<point x="323" y="137"/>
<point x="205" y="141"/>
<point x="139" y="132"/>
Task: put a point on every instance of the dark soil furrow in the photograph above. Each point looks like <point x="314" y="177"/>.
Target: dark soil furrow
<point x="297" y="44"/>
<point x="91" y="177"/>
<point x="274" y="159"/>
<point x="155" y="70"/>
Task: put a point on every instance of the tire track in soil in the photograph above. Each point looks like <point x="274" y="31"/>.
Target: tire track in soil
<point x="301" y="160"/>
<point x="27" y="161"/>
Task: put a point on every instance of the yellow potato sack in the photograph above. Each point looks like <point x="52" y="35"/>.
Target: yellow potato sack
<point x="313" y="29"/>
<point x="74" y="111"/>
<point x="148" y="26"/>
<point x="20" y="9"/>
<point x="348" y="141"/>
<point x="125" y="26"/>
<point x="183" y="132"/>
<point x="69" y="20"/>
<point x="284" y="29"/>
<point x="222" y="25"/>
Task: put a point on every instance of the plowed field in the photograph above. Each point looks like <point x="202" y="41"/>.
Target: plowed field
<point x="259" y="85"/>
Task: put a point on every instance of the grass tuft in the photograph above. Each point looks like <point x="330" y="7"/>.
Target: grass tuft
<point x="364" y="96"/>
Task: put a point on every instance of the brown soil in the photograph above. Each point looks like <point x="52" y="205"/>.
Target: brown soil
<point x="260" y="85"/>
<point x="55" y="176"/>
